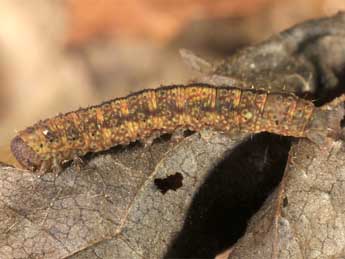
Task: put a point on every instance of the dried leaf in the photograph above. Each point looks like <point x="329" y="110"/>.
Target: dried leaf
<point x="304" y="217"/>
<point x="111" y="209"/>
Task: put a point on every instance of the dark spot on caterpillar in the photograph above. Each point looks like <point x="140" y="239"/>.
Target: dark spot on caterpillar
<point x="171" y="182"/>
<point x="72" y="133"/>
<point x="49" y="135"/>
<point x="30" y="130"/>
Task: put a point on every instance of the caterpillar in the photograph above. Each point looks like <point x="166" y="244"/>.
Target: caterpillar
<point x="152" y="112"/>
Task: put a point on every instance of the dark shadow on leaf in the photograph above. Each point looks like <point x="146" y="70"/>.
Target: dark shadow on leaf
<point x="234" y="190"/>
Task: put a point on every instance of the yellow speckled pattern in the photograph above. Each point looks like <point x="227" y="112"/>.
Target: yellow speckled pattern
<point x="152" y="112"/>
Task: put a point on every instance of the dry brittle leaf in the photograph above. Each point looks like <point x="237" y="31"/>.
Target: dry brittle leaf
<point x="304" y="218"/>
<point x="112" y="209"/>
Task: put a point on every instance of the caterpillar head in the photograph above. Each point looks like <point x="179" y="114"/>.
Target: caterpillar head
<point x="25" y="155"/>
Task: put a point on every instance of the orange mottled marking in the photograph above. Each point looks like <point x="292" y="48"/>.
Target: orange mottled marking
<point x="152" y="102"/>
<point x="124" y="107"/>
<point x="260" y="101"/>
<point x="237" y="97"/>
<point x="99" y="115"/>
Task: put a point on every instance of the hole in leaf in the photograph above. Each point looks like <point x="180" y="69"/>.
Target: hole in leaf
<point x="171" y="182"/>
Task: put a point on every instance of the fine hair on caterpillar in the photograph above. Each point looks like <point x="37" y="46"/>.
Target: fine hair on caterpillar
<point x="150" y="113"/>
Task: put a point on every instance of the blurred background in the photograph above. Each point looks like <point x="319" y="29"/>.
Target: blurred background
<point x="58" y="55"/>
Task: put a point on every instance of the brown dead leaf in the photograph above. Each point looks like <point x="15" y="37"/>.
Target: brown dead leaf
<point x="304" y="217"/>
<point x="110" y="209"/>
